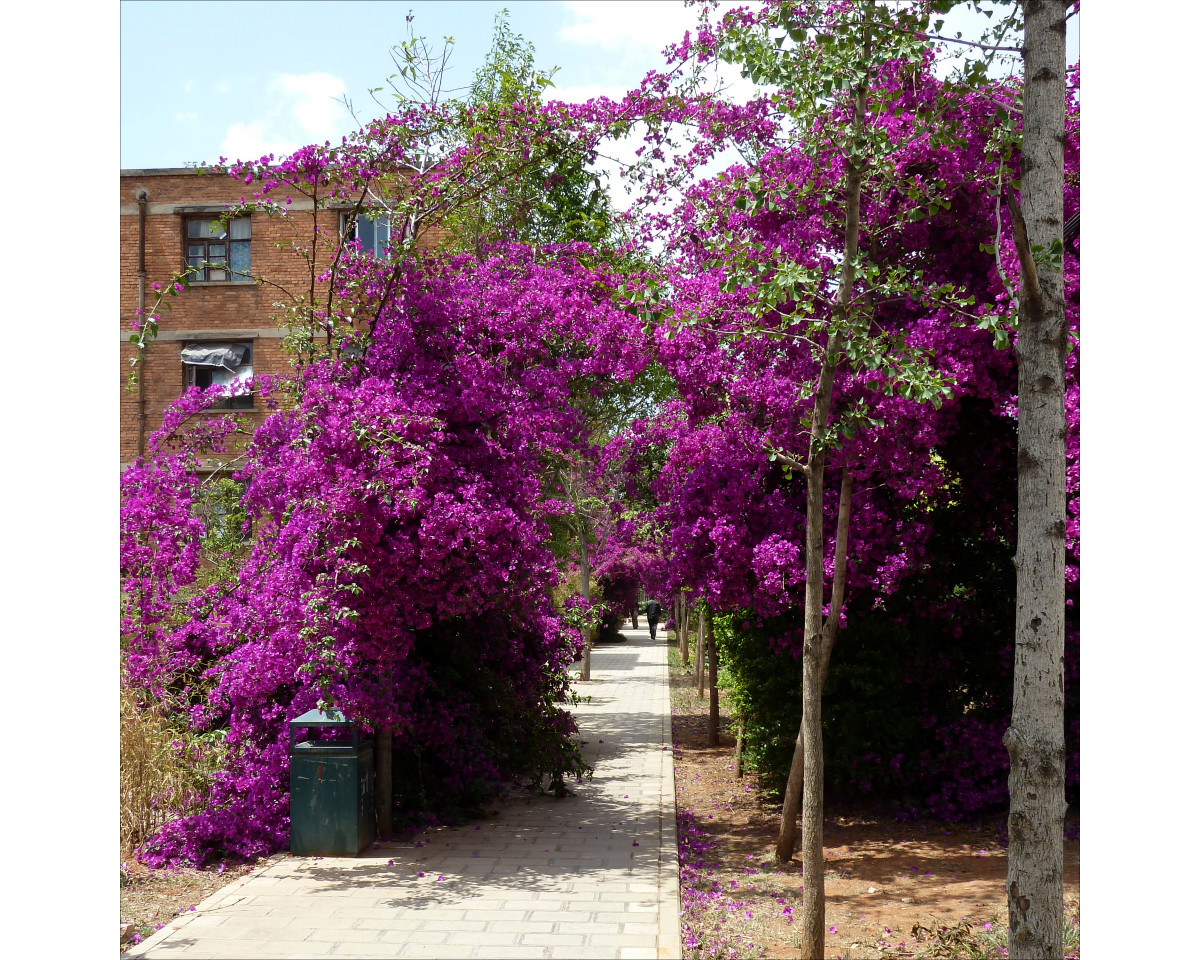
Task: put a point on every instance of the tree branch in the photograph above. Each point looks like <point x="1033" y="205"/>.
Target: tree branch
<point x="830" y="628"/>
<point x="1029" y="280"/>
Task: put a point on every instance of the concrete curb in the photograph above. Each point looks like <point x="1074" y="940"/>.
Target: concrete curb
<point x="670" y="942"/>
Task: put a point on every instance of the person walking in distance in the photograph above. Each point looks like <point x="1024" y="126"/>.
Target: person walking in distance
<point x="653" y="612"/>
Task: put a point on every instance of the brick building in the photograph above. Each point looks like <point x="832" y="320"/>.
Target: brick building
<point x="222" y="327"/>
<point x="166" y="215"/>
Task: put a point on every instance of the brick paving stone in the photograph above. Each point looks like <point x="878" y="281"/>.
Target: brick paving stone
<point x="622" y="940"/>
<point x="552" y="939"/>
<point x="366" y="950"/>
<point x="519" y="927"/>
<point x="537" y="885"/>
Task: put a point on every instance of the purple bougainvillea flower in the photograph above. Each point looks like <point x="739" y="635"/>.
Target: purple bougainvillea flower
<point x="420" y="873"/>
<point x="440" y="877"/>
<point x="636" y="844"/>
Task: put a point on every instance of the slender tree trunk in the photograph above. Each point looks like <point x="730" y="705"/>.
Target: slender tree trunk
<point x="1037" y="802"/>
<point x="812" y="812"/>
<point x="383" y="783"/>
<point x="699" y="674"/>
<point x="585" y="591"/>
<point x="633" y="615"/>
<point x="737" y="751"/>
<point x="785" y="847"/>
<point x="714" y="705"/>
<point x="818" y="637"/>
<point x="684" y="617"/>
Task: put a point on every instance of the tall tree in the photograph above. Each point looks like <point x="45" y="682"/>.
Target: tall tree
<point x="1035" y="741"/>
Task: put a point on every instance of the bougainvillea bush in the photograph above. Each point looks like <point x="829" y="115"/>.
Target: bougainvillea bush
<point x="400" y="568"/>
<point x="731" y="506"/>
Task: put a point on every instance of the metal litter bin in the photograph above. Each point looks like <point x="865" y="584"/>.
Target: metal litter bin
<point x="332" y="787"/>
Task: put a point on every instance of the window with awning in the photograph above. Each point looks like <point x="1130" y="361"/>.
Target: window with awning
<point x="215" y="363"/>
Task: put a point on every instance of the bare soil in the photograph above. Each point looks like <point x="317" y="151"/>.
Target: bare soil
<point x="883" y="877"/>
<point x="151" y="898"/>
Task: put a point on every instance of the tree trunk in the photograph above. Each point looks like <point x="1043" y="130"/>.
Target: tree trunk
<point x="585" y="591"/>
<point x="737" y="751"/>
<point x="633" y="615"/>
<point x="1037" y="802"/>
<point x="683" y="632"/>
<point x="383" y="783"/>
<point x="699" y="673"/>
<point x="714" y="705"/>
<point x="818" y="637"/>
<point x="785" y="847"/>
<point x="812" y="840"/>
<point x="795" y="785"/>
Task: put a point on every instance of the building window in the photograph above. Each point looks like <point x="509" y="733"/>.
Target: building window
<point x="221" y="364"/>
<point x="372" y="231"/>
<point x="219" y="251"/>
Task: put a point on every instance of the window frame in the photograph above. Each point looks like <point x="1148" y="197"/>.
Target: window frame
<point x="192" y="372"/>
<point x="203" y="274"/>
<point x="349" y="229"/>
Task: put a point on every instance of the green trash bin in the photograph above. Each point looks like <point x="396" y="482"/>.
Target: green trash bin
<point x="332" y="788"/>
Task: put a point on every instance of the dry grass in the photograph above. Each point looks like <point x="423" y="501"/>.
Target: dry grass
<point x="165" y="771"/>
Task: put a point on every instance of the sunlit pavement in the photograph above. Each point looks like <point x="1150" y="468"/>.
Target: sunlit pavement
<point x="591" y="875"/>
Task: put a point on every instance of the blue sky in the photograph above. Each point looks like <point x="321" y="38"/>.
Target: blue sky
<point x="246" y="78"/>
<point x="201" y="80"/>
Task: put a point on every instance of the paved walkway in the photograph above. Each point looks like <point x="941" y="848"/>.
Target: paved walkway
<point x="594" y="875"/>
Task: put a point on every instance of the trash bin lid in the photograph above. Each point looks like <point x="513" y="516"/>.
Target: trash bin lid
<point x="319" y="718"/>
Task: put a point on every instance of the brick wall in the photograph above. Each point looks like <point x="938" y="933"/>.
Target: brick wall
<point x="243" y="311"/>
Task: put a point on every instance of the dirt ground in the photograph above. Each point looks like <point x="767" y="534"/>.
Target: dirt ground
<point x="150" y="898"/>
<point x="882" y="877"/>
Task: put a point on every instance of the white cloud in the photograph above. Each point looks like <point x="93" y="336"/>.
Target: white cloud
<point x="315" y="101"/>
<point x="296" y="109"/>
<point x="619" y="25"/>
<point x="583" y="92"/>
<point x="249" y="141"/>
